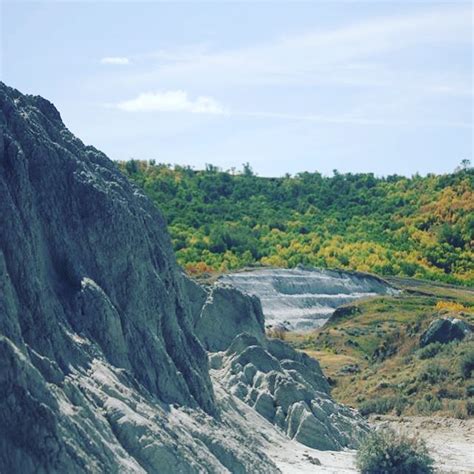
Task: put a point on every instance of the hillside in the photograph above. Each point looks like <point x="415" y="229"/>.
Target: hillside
<point x="372" y="353"/>
<point x="419" y="227"/>
<point x="111" y="361"/>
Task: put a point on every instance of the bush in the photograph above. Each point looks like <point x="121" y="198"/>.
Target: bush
<point x="459" y="409"/>
<point x="428" y="406"/>
<point x="385" y="452"/>
<point x="467" y="364"/>
<point x="433" y="374"/>
<point x="382" y="405"/>
<point x="430" y="350"/>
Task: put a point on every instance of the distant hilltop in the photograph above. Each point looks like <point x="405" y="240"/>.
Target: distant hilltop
<point x="220" y="221"/>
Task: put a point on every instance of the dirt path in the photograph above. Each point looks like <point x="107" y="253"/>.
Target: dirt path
<point x="450" y="441"/>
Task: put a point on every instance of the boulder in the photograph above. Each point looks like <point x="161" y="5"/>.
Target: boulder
<point x="445" y="330"/>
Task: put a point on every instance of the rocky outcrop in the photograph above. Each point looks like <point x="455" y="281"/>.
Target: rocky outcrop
<point x="227" y="312"/>
<point x="445" y="330"/>
<point x="84" y="252"/>
<point x="96" y="321"/>
<point x="101" y="335"/>
<point x="286" y="387"/>
<point x="289" y="390"/>
<point x="303" y="298"/>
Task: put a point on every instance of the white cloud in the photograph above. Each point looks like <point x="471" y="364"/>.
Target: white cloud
<point x="116" y="60"/>
<point x="367" y="54"/>
<point x="171" y="101"/>
<point x="320" y="57"/>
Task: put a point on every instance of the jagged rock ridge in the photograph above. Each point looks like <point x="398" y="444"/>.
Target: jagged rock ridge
<point x="286" y="387"/>
<point x="101" y="335"/>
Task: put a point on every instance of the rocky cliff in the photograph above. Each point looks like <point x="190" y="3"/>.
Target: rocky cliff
<point x="103" y="339"/>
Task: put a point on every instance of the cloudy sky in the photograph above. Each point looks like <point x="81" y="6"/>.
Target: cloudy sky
<point x="285" y="85"/>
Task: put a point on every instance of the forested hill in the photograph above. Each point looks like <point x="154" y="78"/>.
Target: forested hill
<point x="420" y="226"/>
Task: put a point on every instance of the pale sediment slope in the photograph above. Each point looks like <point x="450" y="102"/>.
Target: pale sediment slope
<point x="305" y="298"/>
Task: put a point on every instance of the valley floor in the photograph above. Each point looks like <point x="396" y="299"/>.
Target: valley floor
<point x="450" y="441"/>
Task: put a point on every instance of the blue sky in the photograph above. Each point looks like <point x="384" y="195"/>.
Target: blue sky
<point x="288" y="86"/>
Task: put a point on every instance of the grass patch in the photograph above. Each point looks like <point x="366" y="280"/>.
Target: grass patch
<point x="382" y="406"/>
<point x="430" y="350"/>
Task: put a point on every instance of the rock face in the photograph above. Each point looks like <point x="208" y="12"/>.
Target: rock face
<point x="445" y="330"/>
<point x="82" y="251"/>
<point x="225" y="313"/>
<point x="103" y="368"/>
<point x="305" y="298"/>
<point x="287" y="388"/>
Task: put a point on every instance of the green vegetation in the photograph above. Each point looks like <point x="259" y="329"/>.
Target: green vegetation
<point x="419" y="227"/>
<point x="385" y="452"/>
<point x="430" y="350"/>
<point x="467" y="363"/>
<point x="371" y="352"/>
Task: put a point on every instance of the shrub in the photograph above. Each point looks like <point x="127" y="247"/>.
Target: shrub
<point x="458" y="409"/>
<point x="385" y="452"/>
<point x="449" y="306"/>
<point x="428" y="406"/>
<point x="382" y="405"/>
<point x="449" y="392"/>
<point x="430" y="350"/>
<point x="467" y="364"/>
<point x="433" y="374"/>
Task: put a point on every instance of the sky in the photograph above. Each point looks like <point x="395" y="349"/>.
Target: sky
<point x="288" y="86"/>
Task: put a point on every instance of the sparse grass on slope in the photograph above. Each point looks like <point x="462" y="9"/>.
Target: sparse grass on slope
<point x="371" y="353"/>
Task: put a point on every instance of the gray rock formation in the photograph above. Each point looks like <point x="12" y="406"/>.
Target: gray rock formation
<point x="227" y="312"/>
<point x="305" y="298"/>
<point x="96" y="325"/>
<point x="287" y="388"/>
<point x="445" y="330"/>
<point x="102" y="370"/>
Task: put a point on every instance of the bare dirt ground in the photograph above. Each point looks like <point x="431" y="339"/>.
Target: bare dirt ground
<point x="450" y="441"/>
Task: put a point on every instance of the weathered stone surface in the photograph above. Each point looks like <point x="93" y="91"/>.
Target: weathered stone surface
<point x="97" y="338"/>
<point x="101" y="368"/>
<point x="288" y="389"/>
<point x="225" y="313"/>
<point x="304" y="298"/>
<point x="273" y="378"/>
<point x="87" y="252"/>
<point x="445" y="330"/>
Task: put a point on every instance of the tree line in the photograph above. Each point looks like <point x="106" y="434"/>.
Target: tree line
<point x="422" y="226"/>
